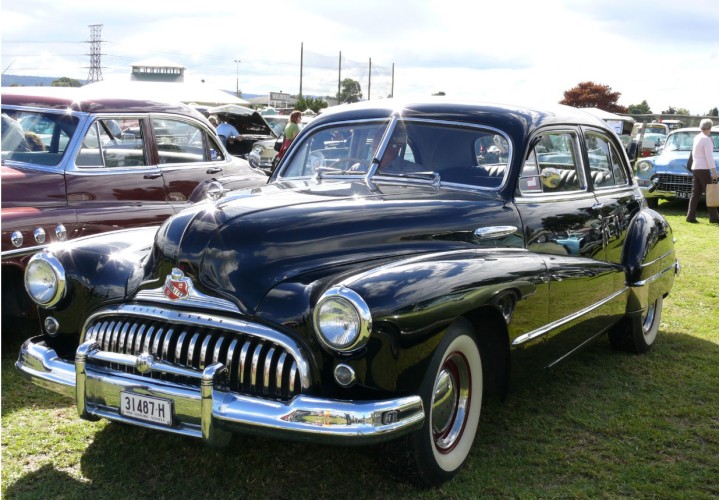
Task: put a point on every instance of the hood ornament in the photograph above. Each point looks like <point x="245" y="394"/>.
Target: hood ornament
<point x="177" y="285"/>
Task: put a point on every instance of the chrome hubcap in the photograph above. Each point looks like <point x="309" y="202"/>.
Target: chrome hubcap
<point x="450" y="402"/>
<point x="649" y="318"/>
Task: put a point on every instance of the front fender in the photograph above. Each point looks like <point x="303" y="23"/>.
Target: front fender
<point x="422" y="295"/>
<point x="99" y="269"/>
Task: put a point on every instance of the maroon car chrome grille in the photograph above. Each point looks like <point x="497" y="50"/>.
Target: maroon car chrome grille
<point x="676" y="183"/>
<point x="256" y="366"/>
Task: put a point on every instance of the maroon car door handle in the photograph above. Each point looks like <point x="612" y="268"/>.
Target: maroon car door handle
<point x="153" y="175"/>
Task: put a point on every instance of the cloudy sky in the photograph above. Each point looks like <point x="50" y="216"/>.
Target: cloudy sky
<point x="663" y="51"/>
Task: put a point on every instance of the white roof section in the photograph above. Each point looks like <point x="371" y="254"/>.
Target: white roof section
<point x="606" y="115"/>
<point x="190" y="93"/>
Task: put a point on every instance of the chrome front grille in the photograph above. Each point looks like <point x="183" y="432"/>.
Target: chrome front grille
<point x="675" y="183"/>
<point x="256" y="365"/>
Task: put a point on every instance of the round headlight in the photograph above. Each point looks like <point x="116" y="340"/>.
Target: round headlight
<point x="342" y="320"/>
<point x="644" y="166"/>
<point x="45" y="279"/>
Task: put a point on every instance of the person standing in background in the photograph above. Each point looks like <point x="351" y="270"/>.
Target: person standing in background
<point x="703" y="171"/>
<point x="291" y="130"/>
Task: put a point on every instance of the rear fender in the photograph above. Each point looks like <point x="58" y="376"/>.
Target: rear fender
<point x="649" y="259"/>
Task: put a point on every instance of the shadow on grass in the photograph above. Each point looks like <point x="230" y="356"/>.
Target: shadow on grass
<point x="596" y="414"/>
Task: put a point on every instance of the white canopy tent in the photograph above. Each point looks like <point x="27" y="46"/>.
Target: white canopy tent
<point x="195" y="93"/>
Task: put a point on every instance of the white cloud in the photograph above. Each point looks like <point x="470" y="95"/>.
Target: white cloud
<point x="508" y="51"/>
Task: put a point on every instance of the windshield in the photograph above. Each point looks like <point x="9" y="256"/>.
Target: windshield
<point x="40" y="138"/>
<point x="419" y="149"/>
<point x="683" y="141"/>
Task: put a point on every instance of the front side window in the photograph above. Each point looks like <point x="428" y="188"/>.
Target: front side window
<point x="113" y="143"/>
<point x="39" y="138"/>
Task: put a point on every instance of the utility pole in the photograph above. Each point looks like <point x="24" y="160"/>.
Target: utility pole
<point x="237" y="79"/>
<point x="95" y="74"/>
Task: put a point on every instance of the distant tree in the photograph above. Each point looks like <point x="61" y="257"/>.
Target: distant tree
<point x="593" y="95"/>
<point x="350" y="91"/>
<point x="313" y="103"/>
<point x="66" y="82"/>
<point x="671" y="110"/>
<point x="640" y="109"/>
<point x="713" y="112"/>
<point x="439" y="93"/>
<point x="682" y="111"/>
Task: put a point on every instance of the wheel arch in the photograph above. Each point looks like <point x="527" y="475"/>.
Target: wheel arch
<point x="492" y="335"/>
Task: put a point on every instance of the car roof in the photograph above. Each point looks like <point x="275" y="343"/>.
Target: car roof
<point x="508" y="117"/>
<point x="90" y="101"/>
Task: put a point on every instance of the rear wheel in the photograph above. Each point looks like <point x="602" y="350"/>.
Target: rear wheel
<point x="639" y="333"/>
<point x="452" y="396"/>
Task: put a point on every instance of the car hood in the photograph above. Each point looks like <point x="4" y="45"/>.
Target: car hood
<point x="247" y="121"/>
<point x="676" y="161"/>
<point x="244" y="245"/>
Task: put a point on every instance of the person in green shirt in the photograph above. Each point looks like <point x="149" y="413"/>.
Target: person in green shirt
<point x="291" y="130"/>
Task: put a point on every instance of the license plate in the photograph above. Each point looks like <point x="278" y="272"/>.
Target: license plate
<point x="682" y="194"/>
<point x="147" y="408"/>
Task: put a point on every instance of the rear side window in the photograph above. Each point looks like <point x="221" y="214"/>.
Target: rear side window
<point x="553" y="165"/>
<point x="184" y="142"/>
<point x="605" y="164"/>
<point x="113" y="143"/>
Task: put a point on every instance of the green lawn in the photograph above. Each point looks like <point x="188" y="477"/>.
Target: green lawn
<point x="602" y="424"/>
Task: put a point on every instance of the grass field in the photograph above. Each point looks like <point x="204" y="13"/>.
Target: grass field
<point x="601" y="424"/>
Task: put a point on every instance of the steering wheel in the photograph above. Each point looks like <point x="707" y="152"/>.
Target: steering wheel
<point x="351" y="164"/>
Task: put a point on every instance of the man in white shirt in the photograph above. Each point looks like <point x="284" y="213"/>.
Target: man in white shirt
<point x="227" y="132"/>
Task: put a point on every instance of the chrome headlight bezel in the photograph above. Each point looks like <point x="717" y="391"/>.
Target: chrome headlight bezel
<point x="644" y="166"/>
<point x="45" y="280"/>
<point x="340" y="304"/>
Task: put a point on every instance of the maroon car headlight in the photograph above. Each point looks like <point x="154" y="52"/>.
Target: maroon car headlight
<point x="45" y="279"/>
<point x="342" y="320"/>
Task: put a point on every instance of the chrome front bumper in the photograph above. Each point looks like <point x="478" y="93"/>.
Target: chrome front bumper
<point x="211" y="413"/>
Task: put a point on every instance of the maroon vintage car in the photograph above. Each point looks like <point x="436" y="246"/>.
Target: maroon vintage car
<point x="76" y="164"/>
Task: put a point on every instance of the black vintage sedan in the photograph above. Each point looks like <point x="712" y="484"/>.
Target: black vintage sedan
<point x="375" y="290"/>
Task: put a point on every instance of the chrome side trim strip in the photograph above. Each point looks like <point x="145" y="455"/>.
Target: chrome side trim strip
<point x="567" y="319"/>
<point x="673" y="267"/>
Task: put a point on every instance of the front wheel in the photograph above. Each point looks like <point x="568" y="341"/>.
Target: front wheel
<point x="452" y="396"/>
<point x="639" y="333"/>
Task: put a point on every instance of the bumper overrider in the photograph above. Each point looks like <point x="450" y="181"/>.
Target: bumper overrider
<point x="208" y="410"/>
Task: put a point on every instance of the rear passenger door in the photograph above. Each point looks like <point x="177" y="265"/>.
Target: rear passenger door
<point x="562" y="224"/>
<point x="111" y="183"/>
<point x="609" y="177"/>
<point x="186" y="154"/>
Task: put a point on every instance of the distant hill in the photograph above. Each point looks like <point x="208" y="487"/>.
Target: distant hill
<point x="46" y="81"/>
<point x="29" y="81"/>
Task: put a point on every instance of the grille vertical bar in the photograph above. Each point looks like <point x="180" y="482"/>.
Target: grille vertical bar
<point x="257" y="366"/>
